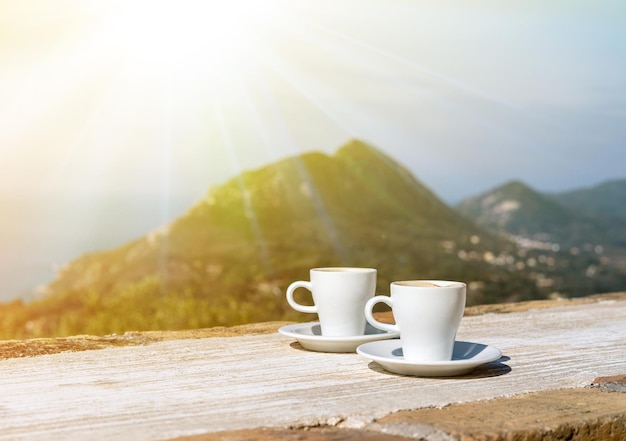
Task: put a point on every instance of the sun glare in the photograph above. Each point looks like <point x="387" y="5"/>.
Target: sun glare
<point x="212" y="37"/>
<point x="135" y="77"/>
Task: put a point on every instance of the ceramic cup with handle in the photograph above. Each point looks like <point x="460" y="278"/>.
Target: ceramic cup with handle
<point x="427" y="314"/>
<point x="339" y="297"/>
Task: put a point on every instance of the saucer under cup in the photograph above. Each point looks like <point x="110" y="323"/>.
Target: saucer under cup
<point x="310" y="337"/>
<point x="466" y="357"/>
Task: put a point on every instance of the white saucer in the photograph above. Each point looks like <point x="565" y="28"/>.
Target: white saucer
<point x="309" y="335"/>
<point x="466" y="356"/>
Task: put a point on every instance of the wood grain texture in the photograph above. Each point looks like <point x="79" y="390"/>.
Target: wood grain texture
<point x="184" y="387"/>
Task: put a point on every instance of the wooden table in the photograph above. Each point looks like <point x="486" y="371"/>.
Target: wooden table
<point x="191" y="386"/>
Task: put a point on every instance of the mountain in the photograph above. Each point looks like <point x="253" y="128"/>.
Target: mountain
<point x="517" y="209"/>
<point x="579" y="218"/>
<point x="229" y="259"/>
<point x="607" y="198"/>
<point x="605" y="202"/>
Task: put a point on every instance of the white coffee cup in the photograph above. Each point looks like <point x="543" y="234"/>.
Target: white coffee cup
<point x="427" y="314"/>
<point x="339" y="297"/>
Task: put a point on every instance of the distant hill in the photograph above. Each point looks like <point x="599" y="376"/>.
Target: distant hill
<point x="229" y="259"/>
<point x="606" y="203"/>
<point x="517" y="209"/>
<point x="607" y="198"/>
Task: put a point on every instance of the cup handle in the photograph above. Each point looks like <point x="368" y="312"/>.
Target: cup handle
<point x="375" y="323"/>
<point x="295" y="305"/>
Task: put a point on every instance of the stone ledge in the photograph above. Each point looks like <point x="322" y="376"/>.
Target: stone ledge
<point x="585" y="414"/>
<point x="42" y="346"/>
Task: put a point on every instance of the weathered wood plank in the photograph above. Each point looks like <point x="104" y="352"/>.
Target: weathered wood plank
<point x="181" y="387"/>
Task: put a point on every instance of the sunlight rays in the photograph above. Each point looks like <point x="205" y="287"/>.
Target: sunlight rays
<point x="311" y="192"/>
<point x="213" y="50"/>
<point x="70" y="152"/>
<point x="117" y="116"/>
<point x="165" y="98"/>
<point x="342" y="47"/>
<point x="407" y="63"/>
<point x="219" y="45"/>
<point x="212" y="37"/>
<point x="447" y="79"/>
<point x="248" y="208"/>
<point x="165" y="152"/>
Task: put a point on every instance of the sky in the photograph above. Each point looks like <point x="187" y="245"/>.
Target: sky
<point x="117" y="115"/>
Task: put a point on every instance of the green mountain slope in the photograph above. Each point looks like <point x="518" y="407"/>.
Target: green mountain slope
<point x="229" y="259"/>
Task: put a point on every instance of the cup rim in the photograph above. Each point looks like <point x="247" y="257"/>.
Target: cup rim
<point x="421" y="283"/>
<point x="343" y="269"/>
